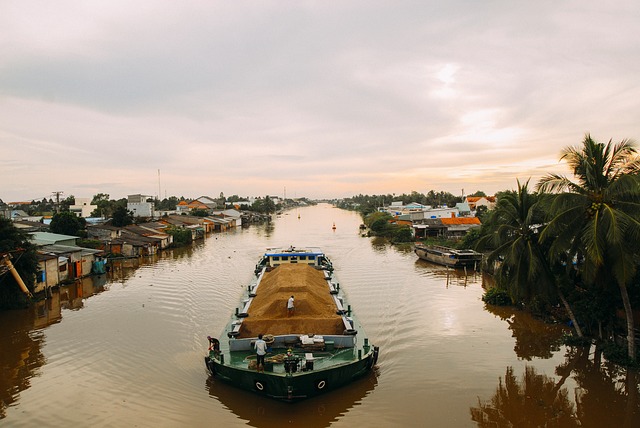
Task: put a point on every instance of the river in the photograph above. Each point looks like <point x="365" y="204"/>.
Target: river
<point x="126" y="349"/>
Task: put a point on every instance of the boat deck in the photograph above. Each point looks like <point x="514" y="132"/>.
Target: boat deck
<point x="274" y="359"/>
<point x="315" y="308"/>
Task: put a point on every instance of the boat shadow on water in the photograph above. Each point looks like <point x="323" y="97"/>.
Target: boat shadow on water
<point x="319" y="411"/>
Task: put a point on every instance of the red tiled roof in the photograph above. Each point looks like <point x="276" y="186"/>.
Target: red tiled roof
<point x="460" y="220"/>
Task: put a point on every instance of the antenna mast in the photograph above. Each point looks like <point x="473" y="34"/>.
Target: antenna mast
<point x="58" y="193"/>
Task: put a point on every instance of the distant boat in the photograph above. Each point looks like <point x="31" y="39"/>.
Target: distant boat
<point x="448" y="256"/>
<point x="334" y="226"/>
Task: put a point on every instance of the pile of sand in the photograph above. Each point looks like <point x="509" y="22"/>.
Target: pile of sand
<point x="315" y="310"/>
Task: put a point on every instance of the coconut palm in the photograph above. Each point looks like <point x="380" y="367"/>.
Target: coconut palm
<point x="512" y="234"/>
<point x="513" y="231"/>
<point x="595" y="220"/>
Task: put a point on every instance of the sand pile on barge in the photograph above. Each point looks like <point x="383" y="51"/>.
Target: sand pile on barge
<point x="315" y="310"/>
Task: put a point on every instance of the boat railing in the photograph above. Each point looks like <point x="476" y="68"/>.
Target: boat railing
<point x="286" y="341"/>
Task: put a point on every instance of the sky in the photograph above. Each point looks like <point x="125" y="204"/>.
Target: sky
<point x="316" y="99"/>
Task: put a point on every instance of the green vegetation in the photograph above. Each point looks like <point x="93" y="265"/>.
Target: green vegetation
<point x="199" y="213"/>
<point x="89" y="243"/>
<point x="121" y="217"/>
<point x="497" y="296"/>
<point x="574" y="243"/>
<point x="379" y="225"/>
<point x="67" y="223"/>
<point x="105" y="206"/>
<point x="264" y="205"/>
<point x="367" y="204"/>
<point x="15" y="244"/>
<point x="181" y="237"/>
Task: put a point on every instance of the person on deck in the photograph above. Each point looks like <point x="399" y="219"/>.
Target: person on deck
<point x="261" y="351"/>
<point x="290" y="307"/>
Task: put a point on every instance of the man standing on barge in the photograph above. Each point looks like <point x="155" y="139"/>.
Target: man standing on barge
<point x="261" y="351"/>
<point x="290" y="307"/>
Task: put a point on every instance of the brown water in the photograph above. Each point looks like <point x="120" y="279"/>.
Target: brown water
<point x="127" y="349"/>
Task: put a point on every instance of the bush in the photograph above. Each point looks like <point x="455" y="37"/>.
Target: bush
<point x="496" y="296"/>
<point x="402" y="234"/>
<point x="90" y="243"/>
<point x="379" y="226"/>
<point x="181" y="237"/>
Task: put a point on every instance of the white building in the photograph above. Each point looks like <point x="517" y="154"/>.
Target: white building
<point x="82" y="207"/>
<point x="138" y="205"/>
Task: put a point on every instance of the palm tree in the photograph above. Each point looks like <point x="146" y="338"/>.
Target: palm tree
<point x="525" y="269"/>
<point x="512" y="233"/>
<point x="596" y="219"/>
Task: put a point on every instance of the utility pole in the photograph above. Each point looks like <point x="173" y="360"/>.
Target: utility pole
<point x="58" y="193"/>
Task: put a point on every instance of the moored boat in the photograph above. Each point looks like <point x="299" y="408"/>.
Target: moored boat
<point x="317" y="347"/>
<point x="448" y="256"/>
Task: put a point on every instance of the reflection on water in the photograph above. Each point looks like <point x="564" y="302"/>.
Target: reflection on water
<point x="533" y="401"/>
<point x="319" y="411"/>
<point x="605" y="396"/>
<point x="20" y="353"/>
<point x="534" y="339"/>
<point x="23" y="336"/>
<point x="452" y="276"/>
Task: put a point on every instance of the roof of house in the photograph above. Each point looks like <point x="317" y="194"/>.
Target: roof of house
<point x="463" y="206"/>
<point x="460" y="220"/>
<point x="198" y="205"/>
<point x="58" y="249"/>
<point x="45" y="238"/>
<point x="477" y="198"/>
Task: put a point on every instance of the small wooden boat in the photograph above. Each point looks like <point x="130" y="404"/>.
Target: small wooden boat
<point x="318" y="348"/>
<point x="448" y="256"/>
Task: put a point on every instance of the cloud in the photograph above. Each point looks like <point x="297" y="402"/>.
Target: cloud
<point x="333" y="99"/>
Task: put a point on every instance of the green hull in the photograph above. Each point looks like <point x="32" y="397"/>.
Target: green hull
<point x="293" y="386"/>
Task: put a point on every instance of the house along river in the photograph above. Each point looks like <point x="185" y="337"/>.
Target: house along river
<point x="126" y="349"/>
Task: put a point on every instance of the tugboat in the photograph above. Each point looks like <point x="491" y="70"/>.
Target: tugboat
<point x="315" y="346"/>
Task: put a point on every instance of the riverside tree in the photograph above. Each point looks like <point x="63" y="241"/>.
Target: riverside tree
<point x="512" y="230"/>
<point x="16" y="243"/>
<point x="595" y="220"/>
<point x="67" y="223"/>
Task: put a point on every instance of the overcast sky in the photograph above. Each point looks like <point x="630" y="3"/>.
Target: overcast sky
<point x="323" y="98"/>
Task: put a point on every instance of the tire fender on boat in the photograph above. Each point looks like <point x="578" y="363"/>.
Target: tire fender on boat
<point x="321" y="384"/>
<point x="259" y="386"/>
<point x="374" y="357"/>
<point x="209" y="363"/>
<point x="350" y="332"/>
